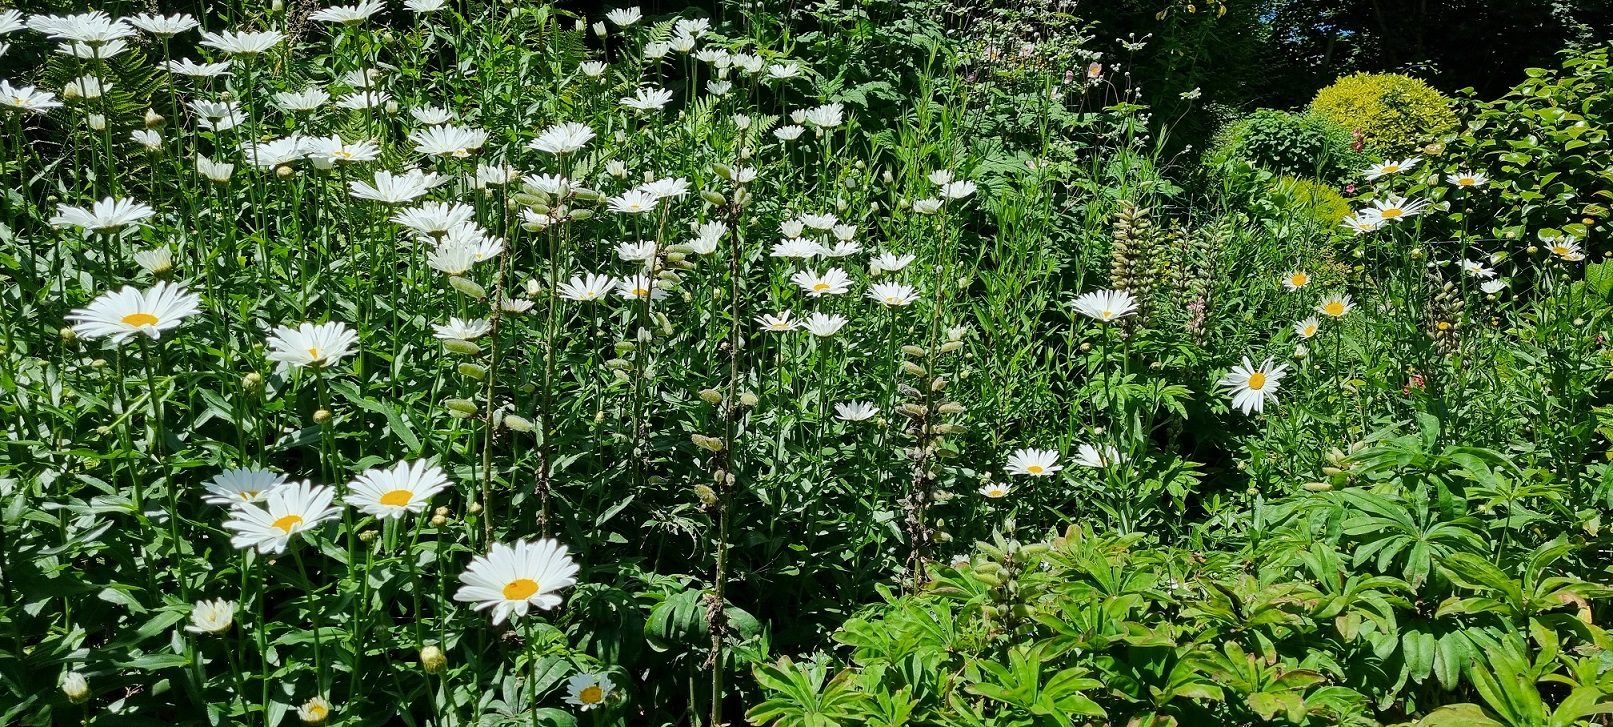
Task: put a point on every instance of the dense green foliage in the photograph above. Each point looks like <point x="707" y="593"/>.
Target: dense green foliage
<point x="1300" y="145"/>
<point x="1394" y="114"/>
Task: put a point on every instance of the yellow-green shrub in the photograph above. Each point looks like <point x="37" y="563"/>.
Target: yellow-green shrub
<point x="1313" y="199"/>
<point x="1394" y="113"/>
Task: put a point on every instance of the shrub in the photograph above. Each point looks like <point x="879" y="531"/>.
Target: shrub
<point x="1296" y="145"/>
<point x="1311" y="200"/>
<point x="1394" y="113"/>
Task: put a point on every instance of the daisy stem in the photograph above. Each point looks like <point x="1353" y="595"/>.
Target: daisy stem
<point x="492" y="379"/>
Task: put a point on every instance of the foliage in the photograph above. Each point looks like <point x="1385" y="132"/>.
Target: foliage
<point x="1395" y="114"/>
<point x="1289" y="144"/>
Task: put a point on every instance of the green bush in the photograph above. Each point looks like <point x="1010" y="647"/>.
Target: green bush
<point x="1311" y="200"/>
<point x="1295" y="145"/>
<point x="1395" y="114"/>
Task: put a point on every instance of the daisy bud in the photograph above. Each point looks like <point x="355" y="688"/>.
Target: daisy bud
<point x="438" y="521"/>
<point x="1531" y="249"/>
<point x="76" y="687"/>
<point x="463" y="406"/>
<point x="462" y="347"/>
<point x="283" y="171"/>
<point x="749" y="399"/>
<point x="153" y="119"/>
<point x="519" y="424"/>
<point x="367" y="536"/>
<point x="711" y="396"/>
<point x="713" y="197"/>
<point x="599" y="417"/>
<point x="432" y="659"/>
<point x="68" y="334"/>
<point x="315" y="711"/>
<point x="97" y="122"/>
<point x="391" y="107"/>
<point x="468" y="287"/>
<point x="321" y="416"/>
<point x="475" y="506"/>
<point x="251" y="382"/>
<point x="441" y="510"/>
<point x="473" y="371"/>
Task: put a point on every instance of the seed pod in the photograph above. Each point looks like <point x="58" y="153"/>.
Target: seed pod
<point x="462" y="347"/>
<point x="463" y="406"/>
<point x="474" y="371"/>
<point x="518" y="423"/>
<point x="468" y="287"/>
<point x="432" y="660"/>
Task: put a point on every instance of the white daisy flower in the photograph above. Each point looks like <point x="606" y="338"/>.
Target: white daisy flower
<point x="824" y="324"/>
<point x="563" y="138"/>
<point x="319" y="345"/>
<point x="1106" y="305"/>
<point x="1098" y="457"/>
<point x="585" y="289"/>
<point x="586" y="691"/>
<point x="211" y="617"/>
<point x="855" y="411"/>
<point x="777" y="322"/>
<point x="512" y="578"/>
<point x="892" y="294"/>
<point x="1251" y="387"/>
<point x="1033" y="462"/>
<point x="461" y="329"/>
<point x="289" y="509"/>
<point x="833" y="281"/>
<point x="106" y="216"/>
<point x="121" y="314"/>
<point x="392" y="188"/>
<point x="403" y="488"/>
<point x="241" y="486"/>
<point x="243" y="43"/>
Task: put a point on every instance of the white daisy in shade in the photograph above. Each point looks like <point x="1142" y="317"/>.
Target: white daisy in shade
<point x="832" y="282"/>
<point x="242" y="44"/>
<point x="27" y="98"/>
<point x="312" y="344"/>
<point x="824" y="324"/>
<point x="460" y="329"/>
<point x="275" y="152"/>
<point x="1251" y="387"/>
<point x="289" y="509"/>
<point x="825" y="221"/>
<point x="1387" y="168"/>
<point x="624" y="17"/>
<point x="888" y="262"/>
<point x="361" y="100"/>
<point x="106" y="216"/>
<point x="1296" y="280"/>
<point x="392" y="492"/>
<point x="592" y="69"/>
<point x="314" y="711"/>
<point x="796" y="247"/>
<point x="892" y="294"/>
<point x="421" y="7"/>
<point x="93" y="27"/>
<point x="1491" y="287"/>
<point x="157" y="260"/>
<point x="163" y="26"/>
<point x="448" y="140"/>
<point x="586" y="691"/>
<point x="639" y="287"/>
<point x="957" y="190"/>
<point x="1335" y="305"/>
<point x="789" y="132"/>
<point x="1362" y="222"/>
<point x="587" y="288"/>
<point x="778" y="323"/>
<point x="308" y="99"/>
<point x="633" y="201"/>
<point x="995" y="490"/>
<point x="327" y="151"/>
<point x="843" y="248"/>
<point x="435" y="218"/>
<point x="1098" y="457"/>
<point x="855" y="411"/>
<point x="513" y="578"/>
<point x="563" y="138"/>
<point x="1033" y="462"/>
<point x="348" y="14"/>
<point x="1308" y="328"/>
<point x="1106" y="305"/>
<point x="242" y="485"/>
<point x="1566" y="249"/>
<point x="635" y="251"/>
<point x="392" y="188"/>
<point x="1476" y="269"/>
<point x="191" y="69"/>
<point x="211" y="617"/>
<point x="1468" y="180"/>
<point x="121" y="314"/>
<point x="648" y="98"/>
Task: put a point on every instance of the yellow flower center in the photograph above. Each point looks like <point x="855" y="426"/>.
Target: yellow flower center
<point x="140" y="319"/>
<point x="1443" y="325"/>
<point x="1465" y="181"/>
<point x="1299" y="280"/>
<point x="820" y="286"/>
<point x="1391" y="213"/>
<point x="1257" y="381"/>
<point x="461" y="153"/>
<point x="1034" y="469"/>
<point x="287" y="522"/>
<point x="1308" y="331"/>
<point x="1334" y="308"/>
<point x="1391" y="168"/>
<point x="591" y="694"/>
<point x="247" y="495"/>
<point x="342" y="154"/>
<point x="397" y="498"/>
<point x="520" y="589"/>
<point x="318" y="712"/>
<point x="314" y="353"/>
